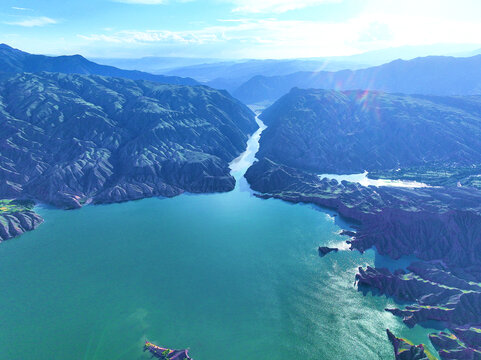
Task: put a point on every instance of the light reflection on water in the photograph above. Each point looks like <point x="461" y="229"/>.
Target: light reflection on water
<point x="229" y="275"/>
<point x="365" y="181"/>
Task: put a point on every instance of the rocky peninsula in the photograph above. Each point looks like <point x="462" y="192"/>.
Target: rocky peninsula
<point x="439" y="225"/>
<point x="17" y="217"/>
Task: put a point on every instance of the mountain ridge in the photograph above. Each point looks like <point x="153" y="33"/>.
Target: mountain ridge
<point x="353" y="131"/>
<point x="431" y="75"/>
<point x="17" y="61"/>
<point x="72" y="139"/>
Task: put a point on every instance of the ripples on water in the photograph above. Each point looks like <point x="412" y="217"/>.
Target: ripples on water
<point x="229" y="275"/>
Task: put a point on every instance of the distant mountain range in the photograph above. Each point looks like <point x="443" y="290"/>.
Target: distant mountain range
<point x="155" y="64"/>
<point x="264" y="81"/>
<point x="231" y="73"/>
<point x="435" y="75"/>
<point x="15" y="61"/>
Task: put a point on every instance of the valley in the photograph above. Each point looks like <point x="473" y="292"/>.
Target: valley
<point x="188" y="272"/>
<point x="202" y="222"/>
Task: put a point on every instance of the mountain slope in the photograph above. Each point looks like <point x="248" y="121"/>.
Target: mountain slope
<point x="16" y="61"/>
<point x="432" y="75"/>
<point x="71" y="139"/>
<point x="353" y="131"/>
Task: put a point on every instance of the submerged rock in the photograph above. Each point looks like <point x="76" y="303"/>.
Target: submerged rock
<point x="349" y="233"/>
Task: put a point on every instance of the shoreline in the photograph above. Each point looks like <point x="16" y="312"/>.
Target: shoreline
<point x="378" y="229"/>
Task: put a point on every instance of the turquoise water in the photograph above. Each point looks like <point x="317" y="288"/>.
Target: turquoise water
<point x="229" y="275"/>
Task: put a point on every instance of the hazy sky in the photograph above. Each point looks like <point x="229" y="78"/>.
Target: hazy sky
<point x="234" y="28"/>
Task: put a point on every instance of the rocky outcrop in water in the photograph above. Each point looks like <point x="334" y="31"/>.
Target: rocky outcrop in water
<point x="404" y="350"/>
<point x="159" y="352"/>
<point x="12" y="225"/>
<point x="324" y="250"/>
<point x="434" y="292"/>
<point x="451" y="346"/>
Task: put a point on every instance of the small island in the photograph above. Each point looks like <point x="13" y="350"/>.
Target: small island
<point x="166" y="354"/>
<point x="324" y="250"/>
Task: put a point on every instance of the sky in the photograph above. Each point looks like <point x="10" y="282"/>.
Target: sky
<point x="234" y="28"/>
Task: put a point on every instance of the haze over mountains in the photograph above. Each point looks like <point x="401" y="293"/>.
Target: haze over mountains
<point x="435" y="75"/>
<point x="207" y="69"/>
<point x="155" y="64"/>
<point x="264" y="81"/>
<point x="15" y="61"/>
<point x="232" y="74"/>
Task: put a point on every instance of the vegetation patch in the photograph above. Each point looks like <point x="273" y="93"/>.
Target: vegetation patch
<point x="13" y="206"/>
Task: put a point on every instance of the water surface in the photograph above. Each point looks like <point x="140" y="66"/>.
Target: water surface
<point x="229" y="275"/>
<point x="365" y="181"/>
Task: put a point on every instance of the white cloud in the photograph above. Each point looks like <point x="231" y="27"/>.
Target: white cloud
<point x="142" y="2"/>
<point x="252" y="38"/>
<point x="21" y="8"/>
<point x="274" y="6"/>
<point x="273" y="38"/>
<point x="33" y="21"/>
<point x="154" y="36"/>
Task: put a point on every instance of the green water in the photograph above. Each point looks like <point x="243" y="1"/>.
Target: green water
<point x="229" y="275"/>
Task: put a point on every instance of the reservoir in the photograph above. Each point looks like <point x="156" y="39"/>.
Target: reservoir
<point x="230" y="276"/>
